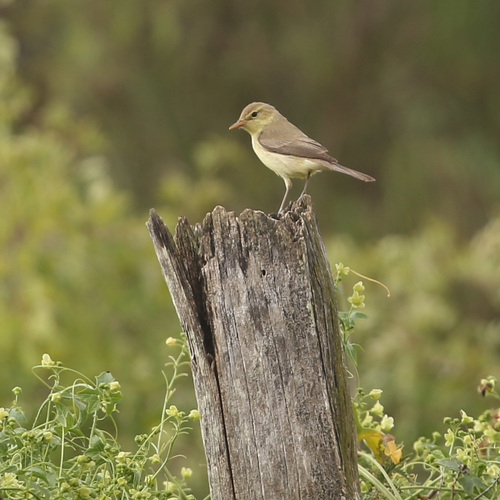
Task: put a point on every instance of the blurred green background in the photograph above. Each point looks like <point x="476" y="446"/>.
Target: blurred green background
<point x="110" y="108"/>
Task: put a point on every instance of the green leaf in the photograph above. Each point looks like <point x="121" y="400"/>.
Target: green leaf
<point x="356" y="314"/>
<point x="451" y="463"/>
<point x="104" y="378"/>
<point x="19" y="415"/>
<point x="471" y="482"/>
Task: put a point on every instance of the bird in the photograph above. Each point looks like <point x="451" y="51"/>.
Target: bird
<point x="285" y="149"/>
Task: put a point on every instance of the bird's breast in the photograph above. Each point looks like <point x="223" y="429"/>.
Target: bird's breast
<point x="285" y="165"/>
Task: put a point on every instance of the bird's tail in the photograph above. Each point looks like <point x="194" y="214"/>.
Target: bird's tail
<point x="349" y="171"/>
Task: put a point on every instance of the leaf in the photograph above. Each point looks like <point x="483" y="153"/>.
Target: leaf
<point x="356" y="314"/>
<point x="451" y="463"/>
<point x="469" y="482"/>
<point x="104" y="378"/>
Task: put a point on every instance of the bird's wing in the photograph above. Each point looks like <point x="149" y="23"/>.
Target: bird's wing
<point x="292" y="141"/>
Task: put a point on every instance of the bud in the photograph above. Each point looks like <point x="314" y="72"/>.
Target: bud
<point x="375" y="393"/>
<point x="114" y="386"/>
<point x="186" y="472"/>
<point x="194" y="415"/>
<point x="47" y="361"/>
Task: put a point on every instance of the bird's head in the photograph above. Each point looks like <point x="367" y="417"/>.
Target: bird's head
<point x="255" y="117"/>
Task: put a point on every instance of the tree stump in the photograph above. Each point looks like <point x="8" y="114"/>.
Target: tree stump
<point x="256" y="298"/>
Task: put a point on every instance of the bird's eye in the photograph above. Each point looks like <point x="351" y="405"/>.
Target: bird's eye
<point x="254" y="114"/>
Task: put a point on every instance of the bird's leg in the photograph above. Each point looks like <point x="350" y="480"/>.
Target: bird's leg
<point x="288" y="184"/>
<point x="305" y="185"/>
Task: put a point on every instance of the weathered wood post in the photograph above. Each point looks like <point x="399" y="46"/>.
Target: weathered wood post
<point x="256" y="299"/>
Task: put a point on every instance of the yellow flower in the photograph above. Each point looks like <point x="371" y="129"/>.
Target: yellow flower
<point x="467" y="439"/>
<point x="375" y="393"/>
<point x="171" y="341"/>
<point x="377" y="409"/>
<point x="186" y="472"/>
<point x="114" y="386"/>
<point x="122" y="456"/>
<point x="172" y="411"/>
<point x="194" y="415"/>
<point x="356" y="299"/>
<point x="341" y="269"/>
<point x="392" y="451"/>
<point x="169" y="487"/>
<point x="55" y="397"/>
<point x="359" y="287"/>
<point x="479" y="426"/>
<point x="449" y="437"/>
<point x="493" y="470"/>
<point x="47" y="361"/>
<point x="9" y="480"/>
<point x="367" y="420"/>
<point x="465" y="418"/>
<point x="3" y="413"/>
<point x="387" y="423"/>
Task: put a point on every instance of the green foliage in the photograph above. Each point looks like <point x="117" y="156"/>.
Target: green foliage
<point x="140" y="96"/>
<point x="438" y="333"/>
<point x="78" y="275"/>
<point x="70" y="450"/>
<point x="464" y="462"/>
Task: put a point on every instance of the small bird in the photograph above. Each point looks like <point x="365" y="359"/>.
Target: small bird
<point x="285" y="149"/>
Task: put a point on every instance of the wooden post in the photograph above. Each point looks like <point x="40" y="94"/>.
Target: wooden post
<point x="256" y="299"/>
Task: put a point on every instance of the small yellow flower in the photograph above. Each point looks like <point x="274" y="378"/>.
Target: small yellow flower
<point x="341" y="269"/>
<point x="480" y="426"/>
<point x="17" y="390"/>
<point x="114" y="386"/>
<point x="47" y="436"/>
<point x="171" y="341"/>
<point x="194" y="415"/>
<point x="467" y="439"/>
<point x="491" y="433"/>
<point x="169" y="487"/>
<point x="377" y="409"/>
<point x="186" y="472"/>
<point x="9" y="480"/>
<point x="493" y="471"/>
<point x="487" y="385"/>
<point x="172" y="411"/>
<point x="359" y="287"/>
<point x="375" y="393"/>
<point x="3" y="413"/>
<point x="155" y="459"/>
<point x="357" y="300"/>
<point x="47" y="361"/>
<point x="462" y="455"/>
<point x="122" y="456"/>
<point x="449" y="437"/>
<point x="55" y="397"/>
<point x="367" y="420"/>
<point x="465" y="418"/>
<point x="392" y="451"/>
<point x="387" y="423"/>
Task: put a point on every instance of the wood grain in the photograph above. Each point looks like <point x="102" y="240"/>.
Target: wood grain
<point x="256" y="299"/>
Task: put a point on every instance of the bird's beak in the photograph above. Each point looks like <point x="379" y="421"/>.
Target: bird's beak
<point x="238" y="124"/>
